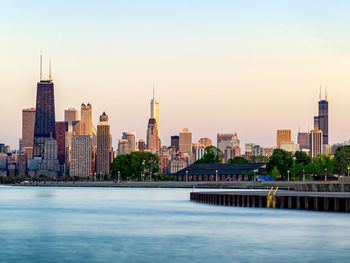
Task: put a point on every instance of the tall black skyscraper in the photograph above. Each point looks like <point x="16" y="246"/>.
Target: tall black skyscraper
<point x="321" y="121"/>
<point x="323" y="118"/>
<point x="44" y="126"/>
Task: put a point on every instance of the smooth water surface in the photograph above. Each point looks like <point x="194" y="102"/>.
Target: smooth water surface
<point x="159" y="225"/>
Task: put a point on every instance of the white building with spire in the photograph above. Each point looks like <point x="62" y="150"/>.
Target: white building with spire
<point x="155" y="112"/>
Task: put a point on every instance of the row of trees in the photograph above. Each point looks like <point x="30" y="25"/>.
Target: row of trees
<point x="133" y="165"/>
<point x="300" y="163"/>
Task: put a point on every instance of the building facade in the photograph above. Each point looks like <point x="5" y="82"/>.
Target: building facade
<point x="104" y="149"/>
<point x="28" y="122"/>
<point x="175" y="142"/>
<point x="44" y="126"/>
<point x="185" y="142"/>
<point x="283" y="136"/>
<point x="155" y="114"/>
<point x="206" y="142"/>
<point x="229" y="145"/>
<point x="316" y="142"/>
<point x="61" y="130"/>
<point x="123" y="146"/>
<point x="71" y="115"/>
<point x="304" y="140"/>
<point x="86" y="120"/>
<point x="81" y="156"/>
<point x="131" y="137"/>
<point x="153" y="141"/>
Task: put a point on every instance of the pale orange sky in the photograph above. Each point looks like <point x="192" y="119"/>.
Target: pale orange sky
<point x="217" y="66"/>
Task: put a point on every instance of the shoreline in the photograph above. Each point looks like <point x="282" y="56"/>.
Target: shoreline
<point x="313" y="186"/>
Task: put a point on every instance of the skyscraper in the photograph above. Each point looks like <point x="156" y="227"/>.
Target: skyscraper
<point x="141" y="145"/>
<point x="321" y="121"/>
<point x="323" y="118"/>
<point x="316" y="142"/>
<point x="28" y="121"/>
<point x="44" y="127"/>
<point x="86" y="119"/>
<point x="103" y="146"/>
<point x="175" y="142"/>
<point x="123" y="146"/>
<point x="131" y="137"/>
<point x="80" y="164"/>
<point x="155" y="113"/>
<point x="50" y="165"/>
<point x="185" y="142"/>
<point x="71" y="115"/>
<point x="61" y="130"/>
<point x="283" y="136"/>
<point x="153" y="141"/>
<point x="304" y="140"/>
<point x="22" y="163"/>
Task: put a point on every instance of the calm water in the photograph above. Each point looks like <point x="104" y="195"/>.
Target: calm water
<point x="159" y="225"/>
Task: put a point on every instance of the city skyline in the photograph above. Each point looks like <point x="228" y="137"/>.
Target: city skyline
<point x="212" y="62"/>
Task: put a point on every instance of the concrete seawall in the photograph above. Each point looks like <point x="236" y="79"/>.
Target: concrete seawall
<point x="316" y="201"/>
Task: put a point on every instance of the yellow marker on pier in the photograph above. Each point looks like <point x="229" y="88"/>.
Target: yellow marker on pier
<point x="193" y="188"/>
<point x="271" y="201"/>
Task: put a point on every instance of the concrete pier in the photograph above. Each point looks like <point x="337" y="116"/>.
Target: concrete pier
<point x="316" y="201"/>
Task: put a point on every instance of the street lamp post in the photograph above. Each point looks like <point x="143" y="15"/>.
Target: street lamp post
<point x="186" y="176"/>
<point x="325" y="174"/>
<point x="288" y="175"/>
<point x="294" y="158"/>
<point x="150" y="176"/>
<point x="216" y="178"/>
<point x="303" y="175"/>
<point x="118" y="177"/>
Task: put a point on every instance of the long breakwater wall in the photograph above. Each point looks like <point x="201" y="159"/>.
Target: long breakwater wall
<point x="316" y="201"/>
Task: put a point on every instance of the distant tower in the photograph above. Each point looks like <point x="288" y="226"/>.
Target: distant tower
<point x="321" y="121"/>
<point x="316" y="142"/>
<point x="71" y="115"/>
<point x="283" y="136"/>
<point x="155" y="112"/>
<point x="28" y="121"/>
<point x="44" y="126"/>
<point x="185" y="142"/>
<point x="323" y="118"/>
<point x="86" y="119"/>
<point x="141" y="145"/>
<point x="103" y="154"/>
<point x="131" y="137"/>
<point x="174" y="140"/>
<point x="153" y="141"/>
<point x="123" y="146"/>
<point x="81" y="156"/>
<point x="61" y="132"/>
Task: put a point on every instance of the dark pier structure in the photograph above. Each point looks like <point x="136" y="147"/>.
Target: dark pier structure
<point x="316" y="201"/>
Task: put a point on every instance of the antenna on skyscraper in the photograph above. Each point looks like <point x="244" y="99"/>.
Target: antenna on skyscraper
<point x="326" y="92"/>
<point x="50" y="70"/>
<point x="41" y="64"/>
<point x="320" y="96"/>
<point x="153" y="91"/>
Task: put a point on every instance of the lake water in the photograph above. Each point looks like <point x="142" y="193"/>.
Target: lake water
<point x="159" y="225"/>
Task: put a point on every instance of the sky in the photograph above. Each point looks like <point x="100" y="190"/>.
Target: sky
<point x="249" y="67"/>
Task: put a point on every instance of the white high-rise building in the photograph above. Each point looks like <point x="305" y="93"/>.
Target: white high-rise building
<point x="81" y="156"/>
<point x="155" y="112"/>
